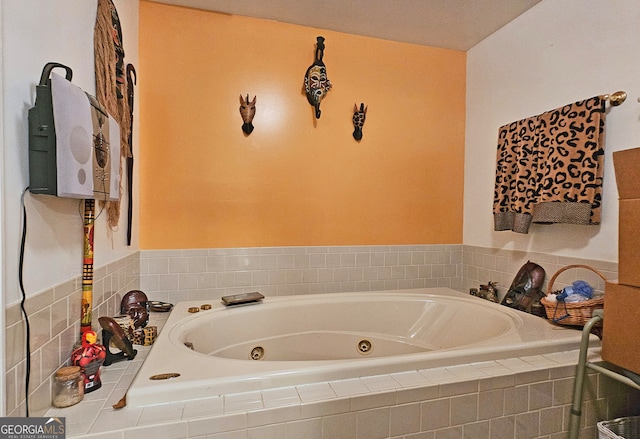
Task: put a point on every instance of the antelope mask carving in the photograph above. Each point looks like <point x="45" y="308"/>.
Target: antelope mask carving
<point x="358" y="120"/>
<point x="247" y="111"/>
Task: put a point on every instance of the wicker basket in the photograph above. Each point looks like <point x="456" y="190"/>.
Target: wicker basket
<point x="576" y="313"/>
<point x="621" y="428"/>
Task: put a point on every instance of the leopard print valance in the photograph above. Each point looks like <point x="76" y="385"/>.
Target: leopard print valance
<point x="549" y="168"/>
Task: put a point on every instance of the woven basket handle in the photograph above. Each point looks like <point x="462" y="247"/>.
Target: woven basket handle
<point x="563" y="269"/>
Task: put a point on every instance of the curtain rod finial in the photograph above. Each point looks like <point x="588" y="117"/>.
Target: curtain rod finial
<point x="616" y="98"/>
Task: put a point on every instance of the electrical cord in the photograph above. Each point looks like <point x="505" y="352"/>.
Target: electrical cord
<point x="22" y="303"/>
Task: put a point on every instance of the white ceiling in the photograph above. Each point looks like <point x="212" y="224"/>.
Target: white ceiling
<point x="450" y="24"/>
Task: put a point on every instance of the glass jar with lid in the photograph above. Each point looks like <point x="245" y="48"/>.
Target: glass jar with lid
<point x="68" y="386"/>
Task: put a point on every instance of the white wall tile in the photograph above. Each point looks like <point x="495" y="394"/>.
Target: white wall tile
<point x="410" y="378"/>
<point x="285" y="261"/>
<point x="464" y="409"/>
<point x="341" y="426"/>
<point x="280" y="397"/>
<point x="178" y="265"/>
<point x="333" y="260"/>
<point x="276" y="431"/>
<point x="377" y="259"/>
<point x="301" y="261"/>
<point x="380" y="383"/>
<point x="404" y="419"/>
<point x="306" y="428"/>
<point x="158" y="265"/>
<point x="219" y="424"/>
<point x="373" y="424"/>
<point x="159" y="414"/>
<point x="435" y="414"/>
<point x="315" y="392"/>
<point x="215" y="263"/>
<point x="310" y="275"/>
<point x="169" y="282"/>
<point x="349" y="387"/>
<point x="188" y="281"/>
<point x="197" y="264"/>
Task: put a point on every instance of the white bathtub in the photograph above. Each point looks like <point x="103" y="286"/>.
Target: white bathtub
<point x="326" y="337"/>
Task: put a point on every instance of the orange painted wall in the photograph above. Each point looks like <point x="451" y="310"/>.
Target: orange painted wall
<point x="295" y="181"/>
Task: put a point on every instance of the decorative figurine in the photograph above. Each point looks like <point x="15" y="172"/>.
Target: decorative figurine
<point x="247" y="110"/>
<point x="90" y="357"/>
<point x="136" y="305"/>
<point x="316" y="83"/>
<point x="526" y="288"/>
<point x="359" y="116"/>
<point x="112" y="332"/>
<point x="489" y="292"/>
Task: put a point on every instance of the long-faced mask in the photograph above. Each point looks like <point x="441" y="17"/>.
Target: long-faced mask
<point x="316" y="83"/>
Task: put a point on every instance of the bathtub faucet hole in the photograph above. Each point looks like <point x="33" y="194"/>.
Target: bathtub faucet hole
<point x="257" y="353"/>
<point x="364" y="347"/>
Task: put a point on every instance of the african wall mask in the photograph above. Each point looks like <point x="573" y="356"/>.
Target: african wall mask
<point x="247" y="111"/>
<point x="359" y="116"/>
<point x="316" y="83"/>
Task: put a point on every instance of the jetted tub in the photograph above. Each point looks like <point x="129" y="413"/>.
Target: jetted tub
<point x="293" y="340"/>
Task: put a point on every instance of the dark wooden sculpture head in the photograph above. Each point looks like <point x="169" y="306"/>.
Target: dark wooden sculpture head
<point x="136" y="305"/>
<point x="247" y="110"/>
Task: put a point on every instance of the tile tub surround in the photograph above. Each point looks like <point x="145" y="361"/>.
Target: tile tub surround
<point x="54" y="320"/>
<point x="528" y="397"/>
<point x="198" y="274"/>
<point x="209" y="273"/>
<point x="481" y="264"/>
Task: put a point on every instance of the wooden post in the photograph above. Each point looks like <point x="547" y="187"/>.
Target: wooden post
<point x="87" y="267"/>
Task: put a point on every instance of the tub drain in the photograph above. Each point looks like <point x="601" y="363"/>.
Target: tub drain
<point x="257" y="353"/>
<point x="364" y="347"/>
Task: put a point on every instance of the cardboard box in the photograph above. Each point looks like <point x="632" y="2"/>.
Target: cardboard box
<point x="627" y="167"/>
<point x="629" y="243"/>
<point x="621" y="330"/>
